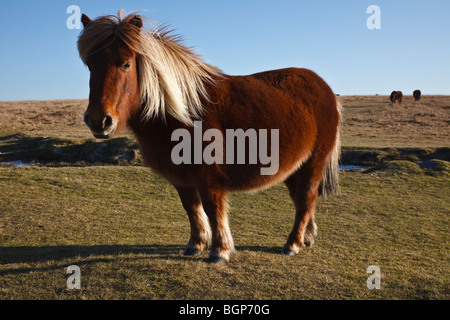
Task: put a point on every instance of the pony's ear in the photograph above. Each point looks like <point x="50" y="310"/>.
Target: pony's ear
<point x="85" y="20"/>
<point x="137" y="21"/>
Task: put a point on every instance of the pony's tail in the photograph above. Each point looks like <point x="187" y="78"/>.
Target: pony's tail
<point x="330" y="181"/>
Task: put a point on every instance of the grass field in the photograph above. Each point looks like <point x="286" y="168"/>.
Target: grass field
<point x="126" y="229"/>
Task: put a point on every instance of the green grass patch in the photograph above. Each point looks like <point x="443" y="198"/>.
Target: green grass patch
<point x="369" y="157"/>
<point x="126" y="230"/>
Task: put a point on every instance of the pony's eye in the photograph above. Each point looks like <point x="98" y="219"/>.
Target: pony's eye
<point x="126" y="66"/>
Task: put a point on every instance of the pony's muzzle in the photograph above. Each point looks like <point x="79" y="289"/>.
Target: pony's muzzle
<point x="101" y="129"/>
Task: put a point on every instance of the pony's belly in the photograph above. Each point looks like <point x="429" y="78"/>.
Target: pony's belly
<point x="251" y="179"/>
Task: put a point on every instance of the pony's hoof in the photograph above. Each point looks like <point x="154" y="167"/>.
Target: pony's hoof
<point x="192" y="252"/>
<point x="288" y="252"/>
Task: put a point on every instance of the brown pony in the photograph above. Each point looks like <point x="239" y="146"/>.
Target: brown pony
<point x="416" y="95"/>
<point x="396" y="96"/>
<point x="149" y="81"/>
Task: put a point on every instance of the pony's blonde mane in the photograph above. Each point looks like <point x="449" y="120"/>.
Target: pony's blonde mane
<point x="172" y="77"/>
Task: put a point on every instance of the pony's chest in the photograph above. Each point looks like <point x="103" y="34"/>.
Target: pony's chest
<point x="157" y="155"/>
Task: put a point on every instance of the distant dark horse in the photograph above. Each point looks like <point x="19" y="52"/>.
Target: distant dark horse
<point x="417" y="95"/>
<point x="149" y="81"/>
<point x="396" y="96"/>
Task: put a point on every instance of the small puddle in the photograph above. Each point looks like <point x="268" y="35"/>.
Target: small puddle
<point x="345" y="167"/>
<point x="17" y="164"/>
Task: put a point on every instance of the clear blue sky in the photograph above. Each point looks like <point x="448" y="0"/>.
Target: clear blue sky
<point x="410" y="51"/>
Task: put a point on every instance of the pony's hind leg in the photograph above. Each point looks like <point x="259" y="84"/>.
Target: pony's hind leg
<point x="200" y="229"/>
<point x="216" y="209"/>
<point x="303" y="187"/>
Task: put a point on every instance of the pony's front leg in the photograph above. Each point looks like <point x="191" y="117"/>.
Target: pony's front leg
<point x="215" y="205"/>
<point x="200" y="230"/>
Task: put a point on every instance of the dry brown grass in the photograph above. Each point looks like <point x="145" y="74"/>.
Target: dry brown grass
<point x="55" y="118"/>
<point x="373" y="121"/>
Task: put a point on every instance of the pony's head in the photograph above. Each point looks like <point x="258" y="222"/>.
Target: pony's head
<point x="114" y="88"/>
<point x="134" y="69"/>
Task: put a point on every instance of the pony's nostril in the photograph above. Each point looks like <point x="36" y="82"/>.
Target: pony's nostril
<point x="108" y="121"/>
<point x="86" y="120"/>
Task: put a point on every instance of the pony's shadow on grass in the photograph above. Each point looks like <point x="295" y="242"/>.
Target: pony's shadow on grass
<point x="271" y="250"/>
<point x="55" y="257"/>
